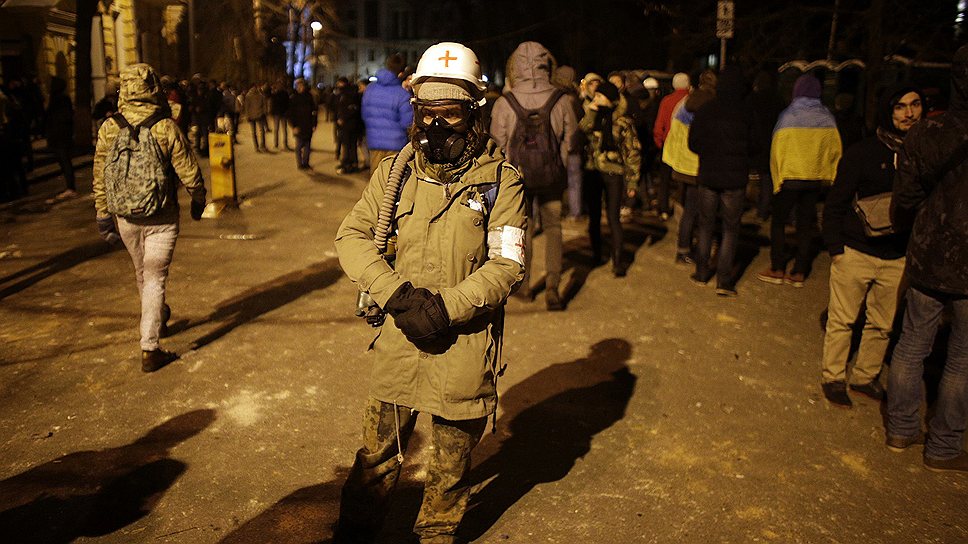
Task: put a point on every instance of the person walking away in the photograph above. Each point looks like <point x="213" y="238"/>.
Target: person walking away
<point x="387" y="113"/>
<point x="867" y="262"/>
<point x="685" y="164"/>
<point x="721" y="135"/>
<point x="341" y="84"/>
<point x="564" y="79"/>
<point x="660" y="131"/>
<point x="535" y="125"/>
<point x="278" y="104"/>
<point x="255" y="109"/>
<point x="613" y="155"/>
<point x="59" y="127"/>
<point x="930" y="191"/>
<point x="766" y="105"/>
<point x="139" y="156"/>
<point x="803" y="158"/>
<point x="459" y="228"/>
<point x="350" y="128"/>
<point x="303" y="117"/>
<point x="106" y="106"/>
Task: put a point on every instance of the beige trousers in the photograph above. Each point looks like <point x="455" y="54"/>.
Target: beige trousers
<point x="854" y="278"/>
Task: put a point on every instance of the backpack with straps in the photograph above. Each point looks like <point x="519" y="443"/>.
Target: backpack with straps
<point x="533" y="148"/>
<point x="136" y="173"/>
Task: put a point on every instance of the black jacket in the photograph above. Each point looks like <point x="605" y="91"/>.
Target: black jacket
<point x="931" y="187"/>
<point x="302" y="114"/>
<point x="721" y="134"/>
<point x="867" y="169"/>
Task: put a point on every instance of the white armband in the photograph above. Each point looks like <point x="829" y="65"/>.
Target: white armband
<point x="507" y="242"/>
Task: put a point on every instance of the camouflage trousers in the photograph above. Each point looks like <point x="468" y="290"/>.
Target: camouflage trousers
<point x="376" y="470"/>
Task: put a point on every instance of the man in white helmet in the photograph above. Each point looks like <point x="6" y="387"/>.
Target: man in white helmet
<point x="459" y="223"/>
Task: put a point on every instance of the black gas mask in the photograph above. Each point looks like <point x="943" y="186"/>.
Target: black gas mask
<point x="444" y="129"/>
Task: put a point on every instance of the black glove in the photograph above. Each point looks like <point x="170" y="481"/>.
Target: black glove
<point x="108" y="230"/>
<point x="197" y="208"/>
<point x="425" y="321"/>
<point x="406" y="297"/>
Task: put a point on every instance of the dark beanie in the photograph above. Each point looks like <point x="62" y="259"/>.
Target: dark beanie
<point x="808" y="86"/>
<point x="610" y="91"/>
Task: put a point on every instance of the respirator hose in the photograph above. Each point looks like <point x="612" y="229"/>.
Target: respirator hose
<point x="389" y="204"/>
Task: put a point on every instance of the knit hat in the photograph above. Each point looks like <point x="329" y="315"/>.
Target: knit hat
<point x="807" y="86"/>
<point x="680" y="81"/>
<point x="441" y="90"/>
<point x="592" y="76"/>
<point x="610" y="91"/>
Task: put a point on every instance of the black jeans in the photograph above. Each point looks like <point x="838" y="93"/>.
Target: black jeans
<point x="690" y="215"/>
<point x="302" y="150"/>
<point x="595" y="184"/>
<point x="349" y="140"/>
<point x="729" y="202"/>
<point x="804" y="201"/>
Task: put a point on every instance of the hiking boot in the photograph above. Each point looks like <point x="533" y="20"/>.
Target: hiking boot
<point x="684" y="259"/>
<point x="958" y="463"/>
<point x="836" y="394"/>
<point x="553" y="300"/>
<point x="156" y="359"/>
<point x="795" y="279"/>
<point x="898" y="444"/>
<point x="771" y="276"/>
<point x="874" y="390"/>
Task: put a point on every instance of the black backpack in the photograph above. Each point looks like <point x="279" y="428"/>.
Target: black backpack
<point x="533" y="148"/>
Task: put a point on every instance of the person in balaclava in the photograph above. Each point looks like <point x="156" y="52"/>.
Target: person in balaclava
<point x="866" y="267"/>
<point x="459" y="227"/>
<point x="930" y="198"/>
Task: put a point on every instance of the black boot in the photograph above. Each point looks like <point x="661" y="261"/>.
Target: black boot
<point x="156" y="359"/>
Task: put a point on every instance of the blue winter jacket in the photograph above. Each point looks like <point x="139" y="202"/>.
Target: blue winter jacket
<point x="387" y="112"/>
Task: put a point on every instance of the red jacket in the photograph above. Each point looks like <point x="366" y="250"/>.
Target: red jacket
<point x="664" y="121"/>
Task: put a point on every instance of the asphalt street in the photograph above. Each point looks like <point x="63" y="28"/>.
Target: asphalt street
<point x="651" y="410"/>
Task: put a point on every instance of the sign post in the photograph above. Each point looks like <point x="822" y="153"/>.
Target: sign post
<point x="724" y="27"/>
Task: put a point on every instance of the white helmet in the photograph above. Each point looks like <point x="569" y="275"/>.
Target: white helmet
<point x="651" y="83"/>
<point x="450" y="60"/>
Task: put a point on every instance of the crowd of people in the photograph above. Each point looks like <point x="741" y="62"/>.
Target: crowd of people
<point x="550" y="149"/>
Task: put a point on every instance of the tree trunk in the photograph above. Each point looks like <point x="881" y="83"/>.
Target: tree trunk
<point x="83" y="126"/>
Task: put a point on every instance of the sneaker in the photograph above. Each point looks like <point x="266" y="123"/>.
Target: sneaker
<point x="67" y="194"/>
<point x="553" y="300"/>
<point x="874" y="390"/>
<point x="795" y="279"/>
<point x="771" y="276"/>
<point x="726" y="292"/>
<point x="156" y="359"/>
<point x="684" y="259"/>
<point x="898" y="444"/>
<point x="836" y="393"/>
<point x="958" y="463"/>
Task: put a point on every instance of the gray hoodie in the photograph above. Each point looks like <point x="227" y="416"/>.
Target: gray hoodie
<point x="529" y="72"/>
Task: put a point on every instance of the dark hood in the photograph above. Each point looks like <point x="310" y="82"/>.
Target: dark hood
<point x="959" y="80"/>
<point x="731" y="87"/>
<point x="889" y="97"/>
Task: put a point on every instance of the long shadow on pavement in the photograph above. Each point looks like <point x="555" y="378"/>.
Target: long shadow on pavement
<point x="54" y="265"/>
<point x="95" y="493"/>
<point x="267" y="297"/>
<point x="549" y="423"/>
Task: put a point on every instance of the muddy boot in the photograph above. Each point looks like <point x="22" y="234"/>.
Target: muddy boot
<point x="156" y="359"/>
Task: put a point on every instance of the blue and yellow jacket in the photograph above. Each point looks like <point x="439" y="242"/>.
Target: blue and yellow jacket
<point x="806" y="145"/>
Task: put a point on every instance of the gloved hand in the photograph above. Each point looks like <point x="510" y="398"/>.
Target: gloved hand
<point x="108" y="230"/>
<point x="406" y="297"/>
<point x="425" y="321"/>
<point x="197" y="208"/>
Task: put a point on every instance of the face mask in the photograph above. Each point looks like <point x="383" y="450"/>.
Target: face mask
<point x="441" y="144"/>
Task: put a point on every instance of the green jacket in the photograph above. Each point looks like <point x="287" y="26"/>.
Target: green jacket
<point x="140" y="98"/>
<point x="623" y="162"/>
<point x="448" y="243"/>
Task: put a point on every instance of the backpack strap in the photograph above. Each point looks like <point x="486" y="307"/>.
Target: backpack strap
<point x="545" y="109"/>
<point x="120" y="120"/>
<point x="552" y="101"/>
<point x="152" y="119"/>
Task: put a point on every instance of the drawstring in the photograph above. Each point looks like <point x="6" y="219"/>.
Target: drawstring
<point x="396" y="421"/>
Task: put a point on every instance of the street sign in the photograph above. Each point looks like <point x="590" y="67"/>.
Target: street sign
<point x="724" y="19"/>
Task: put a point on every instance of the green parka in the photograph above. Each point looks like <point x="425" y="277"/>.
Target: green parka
<point x="448" y="241"/>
